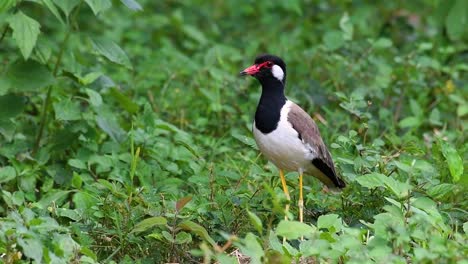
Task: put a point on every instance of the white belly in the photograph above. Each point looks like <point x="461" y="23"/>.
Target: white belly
<point x="283" y="146"/>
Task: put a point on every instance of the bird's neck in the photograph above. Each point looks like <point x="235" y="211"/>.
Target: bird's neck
<point x="269" y="107"/>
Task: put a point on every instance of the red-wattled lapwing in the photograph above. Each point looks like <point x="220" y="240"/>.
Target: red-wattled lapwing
<point x="285" y="133"/>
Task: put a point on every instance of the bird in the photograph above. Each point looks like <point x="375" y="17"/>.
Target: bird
<point x="285" y="134"/>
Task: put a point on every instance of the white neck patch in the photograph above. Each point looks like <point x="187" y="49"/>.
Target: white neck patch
<point x="277" y="72"/>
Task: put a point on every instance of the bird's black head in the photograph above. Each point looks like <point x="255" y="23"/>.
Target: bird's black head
<point x="267" y="67"/>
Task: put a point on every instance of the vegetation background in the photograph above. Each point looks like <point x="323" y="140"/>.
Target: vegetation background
<point x="125" y="131"/>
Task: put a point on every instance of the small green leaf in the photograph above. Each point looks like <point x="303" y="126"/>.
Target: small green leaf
<point x="90" y="78"/>
<point x="294" y="229"/>
<point x="183" y="238"/>
<point x="32" y="248"/>
<point x="149" y="223"/>
<point x="53" y="9"/>
<point x="67" y="5"/>
<point x="67" y="110"/>
<point x="11" y="105"/>
<point x="25" y="32"/>
<point x="5" y="5"/>
<point x="76" y="163"/>
<point x="252" y="248"/>
<point x="26" y="76"/>
<point x="7" y="173"/>
<point x="456" y="21"/>
<point x="332" y="222"/>
<point x="132" y="4"/>
<point x="111" y="51"/>
<point x="125" y="102"/>
<point x="333" y="40"/>
<point x="346" y="26"/>
<point x="454" y="160"/>
<point x="197" y="229"/>
<point x="257" y="223"/>
<point x="98" y="5"/>
<point x="372" y="180"/>
<point x="51" y="197"/>
<point x="77" y="181"/>
<point x="95" y="98"/>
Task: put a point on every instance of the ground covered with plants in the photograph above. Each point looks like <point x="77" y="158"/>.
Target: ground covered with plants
<point x="125" y="131"/>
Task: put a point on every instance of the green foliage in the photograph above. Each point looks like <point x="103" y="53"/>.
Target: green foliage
<point x="125" y="131"/>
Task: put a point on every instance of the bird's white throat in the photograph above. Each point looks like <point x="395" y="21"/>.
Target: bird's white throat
<point x="277" y="72"/>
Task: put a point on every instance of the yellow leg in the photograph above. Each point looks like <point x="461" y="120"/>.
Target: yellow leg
<point x="301" y="201"/>
<point x="286" y="192"/>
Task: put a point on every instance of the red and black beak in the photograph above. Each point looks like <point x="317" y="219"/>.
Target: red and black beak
<point x="252" y="70"/>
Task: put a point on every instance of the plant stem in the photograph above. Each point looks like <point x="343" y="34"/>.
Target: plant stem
<point x="45" y="106"/>
<point x="5" y="30"/>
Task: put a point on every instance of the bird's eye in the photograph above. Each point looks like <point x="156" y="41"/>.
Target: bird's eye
<point x="270" y="64"/>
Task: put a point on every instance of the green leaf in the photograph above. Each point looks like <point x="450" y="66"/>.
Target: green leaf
<point x="132" y="4"/>
<point x="252" y="248"/>
<point x="149" y="223"/>
<point x="32" y="248"/>
<point x="5" y="5"/>
<point x="25" y="32"/>
<point x="77" y="181"/>
<point x="372" y="180"/>
<point x="76" y="163"/>
<point x="111" y="127"/>
<point x="95" y="98"/>
<point x="67" y="110"/>
<point x="53" y="9"/>
<point x="347" y="27"/>
<point x="98" y="5"/>
<point x="26" y="76"/>
<point x="51" y="197"/>
<point x="456" y="21"/>
<point x="454" y="160"/>
<point x="183" y="238"/>
<point x="11" y="105"/>
<point x="125" y="102"/>
<point x="294" y="229"/>
<point x="67" y="5"/>
<point x="411" y="121"/>
<point x="7" y="173"/>
<point x="257" y="223"/>
<point x="333" y="40"/>
<point x="197" y="229"/>
<point x="111" y="51"/>
<point x="332" y="222"/>
<point x="89" y="78"/>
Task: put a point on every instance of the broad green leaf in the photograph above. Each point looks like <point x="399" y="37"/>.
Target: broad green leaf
<point x="84" y="200"/>
<point x="53" y="9"/>
<point x="95" y="98"/>
<point x="51" y="197"/>
<point x="195" y="34"/>
<point x="454" y="160"/>
<point x="5" y="5"/>
<point x="197" y="229"/>
<point x="11" y="105"/>
<point x="111" y="127"/>
<point x="77" y="181"/>
<point x="90" y="78"/>
<point x="183" y="238"/>
<point x="132" y="4"/>
<point x="294" y="229"/>
<point x="77" y="163"/>
<point x="411" y="121"/>
<point x="26" y="76"/>
<point x="372" y="180"/>
<point x="333" y="40"/>
<point x="111" y="51"/>
<point x="99" y="5"/>
<point x="7" y="173"/>
<point x="252" y="248"/>
<point x="182" y="202"/>
<point x="25" y="32"/>
<point x="125" y="102"/>
<point x="332" y="222"/>
<point x="149" y="223"/>
<point x="67" y="5"/>
<point x="457" y="20"/>
<point x="32" y="248"/>
<point x="67" y="110"/>
<point x="257" y="223"/>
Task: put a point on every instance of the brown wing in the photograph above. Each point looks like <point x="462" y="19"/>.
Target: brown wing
<point x="309" y="133"/>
